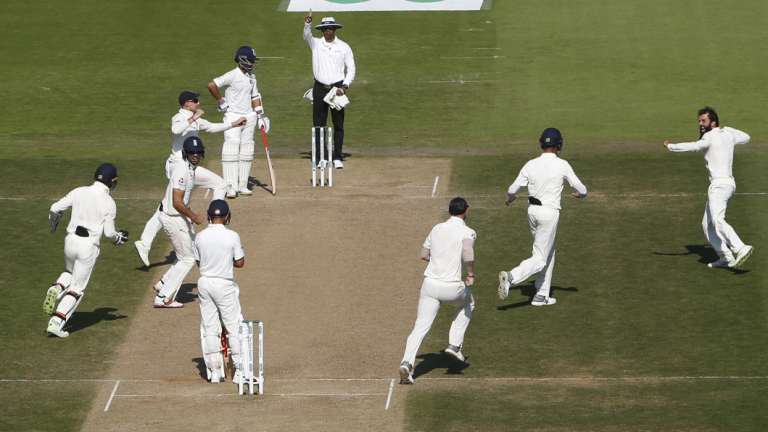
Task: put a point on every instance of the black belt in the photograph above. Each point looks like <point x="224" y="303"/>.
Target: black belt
<point x="328" y="87"/>
<point x="81" y="231"/>
<point x="534" y="201"/>
<point x="161" y="207"/>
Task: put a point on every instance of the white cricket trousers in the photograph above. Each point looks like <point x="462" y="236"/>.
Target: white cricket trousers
<point x="219" y="303"/>
<point x="543" y="224"/>
<point x="433" y="293"/>
<point x="80" y="255"/>
<point x="237" y="152"/>
<point x="719" y="233"/>
<point x="180" y="232"/>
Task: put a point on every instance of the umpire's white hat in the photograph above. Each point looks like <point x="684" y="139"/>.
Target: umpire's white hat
<point x="328" y="22"/>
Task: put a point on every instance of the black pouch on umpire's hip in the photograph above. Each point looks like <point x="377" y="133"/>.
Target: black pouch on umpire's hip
<point x="81" y="231"/>
<point x="534" y="201"/>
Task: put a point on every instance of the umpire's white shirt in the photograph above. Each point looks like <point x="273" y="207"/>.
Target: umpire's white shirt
<point x="544" y="177"/>
<point x="182" y="129"/>
<point x="241" y="89"/>
<point x="182" y="178"/>
<point x="718" y="143"/>
<point x="217" y="248"/>
<point x="445" y="243"/>
<point x="329" y="59"/>
<point x="92" y="208"/>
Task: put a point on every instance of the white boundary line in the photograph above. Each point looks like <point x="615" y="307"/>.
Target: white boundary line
<point x="112" y="396"/>
<point x="389" y="393"/>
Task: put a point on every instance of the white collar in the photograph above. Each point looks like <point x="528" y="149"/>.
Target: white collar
<point x="456" y="219"/>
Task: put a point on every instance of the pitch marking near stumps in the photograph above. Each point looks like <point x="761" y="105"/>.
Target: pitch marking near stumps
<point x="434" y="186"/>
<point x="389" y="394"/>
<point x="112" y="396"/>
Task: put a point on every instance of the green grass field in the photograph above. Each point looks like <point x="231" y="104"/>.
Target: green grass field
<point x="92" y="81"/>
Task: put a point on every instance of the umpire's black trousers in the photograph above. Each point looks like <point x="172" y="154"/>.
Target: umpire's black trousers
<point x="320" y="118"/>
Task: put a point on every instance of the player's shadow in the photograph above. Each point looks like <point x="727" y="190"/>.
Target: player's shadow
<point x="186" y="293"/>
<point x="308" y="155"/>
<point x="705" y="253"/>
<point x="529" y="291"/>
<point x="201" y="368"/>
<point x="254" y="183"/>
<point x="432" y="361"/>
<point x="169" y="259"/>
<point x="81" y="320"/>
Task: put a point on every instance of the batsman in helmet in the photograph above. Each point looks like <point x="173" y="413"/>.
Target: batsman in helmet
<point x="241" y="99"/>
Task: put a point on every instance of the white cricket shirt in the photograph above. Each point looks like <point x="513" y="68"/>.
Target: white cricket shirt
<point x="329" y="59"/>
<point x="217" y="248"/>
<point x="182" y="178"/>
<point x="545" y="177"/>
<point x="182" y="129"/>
<point x="445" y="243"/>
<point x="241" y="89"/>
<point x="92" y="208"/>
<point x="718" y="143"/>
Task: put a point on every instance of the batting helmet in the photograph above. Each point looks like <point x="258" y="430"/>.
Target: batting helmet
<point x="192" y="145"/>
<point x="218" y="208"/>
<point x="106" y="173"/>
<point x="245" y="57"/>
<point x="551" y="137"/>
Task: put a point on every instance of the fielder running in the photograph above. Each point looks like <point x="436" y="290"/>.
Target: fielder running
<point x="718" y="143"/>
<point x="448" y="245"/>
<point x="218" y="251"/>
<point x="241" y="99"/>
<point x="93" y="213"/>
<point x="544" y="177"/>
<point x="177" y="217"/>
<point x="186" y="123"/>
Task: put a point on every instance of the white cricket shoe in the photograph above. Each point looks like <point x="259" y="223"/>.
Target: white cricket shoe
<point x="245" y="191"/>
<point x="743" y="255"/>
<point x="143" y="252"/>
<point x="55" y="330"/>
<point x="454" y="352"/>
<point x="503" y="285"/>
<point x="237" y="378"/>
<point x="231" y="192"/>
<point x="215" y="377"/>
<point x="49" y="304"/>
<point x="338" y="164"/>
<point x="722" y="262"/>
<point x="160" y="304"/>
<point x="540" y="300"/>
<point x="406" y="373"/>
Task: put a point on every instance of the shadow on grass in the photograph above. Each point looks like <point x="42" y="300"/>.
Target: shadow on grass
<point x="530" y="291"/>
<point x="169" y="259"/>
<point x="253" y="183"/>
<point x="705" y="253"/>
<point x="82" y="320"/>
<point x="186" y="293"/>
<point x="308" y="155"/>
<point x="432" y="361"/>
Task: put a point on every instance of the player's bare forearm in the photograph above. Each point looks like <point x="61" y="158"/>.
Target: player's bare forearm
<point x="178" y="204"/>
<point x="470" y="267"/>
<point x="214" y="90"/>
<point x="424" y="256"/>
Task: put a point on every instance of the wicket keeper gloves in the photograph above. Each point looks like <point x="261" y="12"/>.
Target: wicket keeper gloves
<point x="121" y="237"/>
<point x="53" y="220"/>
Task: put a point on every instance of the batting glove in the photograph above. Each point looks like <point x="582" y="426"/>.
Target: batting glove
<point x="263" y="122"/>
<point x="121" y="237"/>
<point x="223" y="105"/>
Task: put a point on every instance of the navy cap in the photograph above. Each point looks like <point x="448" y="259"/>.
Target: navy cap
<point x="551" y="137"/>
<point x="187" y="95"/>
<point x="218" y="208"/>
<point x="457" y="206"/>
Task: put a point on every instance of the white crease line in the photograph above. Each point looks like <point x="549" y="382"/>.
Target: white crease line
<point x="233" y="394"/>
<point x="460" y="81"/>
<point x="434" y="186"/>
<point x="272" y="58"/>
<point x="493" y="57"/>
<point x="112" y="396"/>
<point x="389" y="394"/>
<point x="615" y="379"/>
<point x="487" y="48"/>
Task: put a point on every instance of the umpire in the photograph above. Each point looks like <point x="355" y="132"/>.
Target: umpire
<point x="333" y="65"/>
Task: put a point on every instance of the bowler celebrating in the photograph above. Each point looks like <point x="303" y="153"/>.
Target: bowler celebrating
<point x="448" y="245"/>
<point x="544" y="177"/>
<point x="718" y="144"/>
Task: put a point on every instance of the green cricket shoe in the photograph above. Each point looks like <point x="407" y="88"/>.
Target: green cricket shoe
<point x="50" y="299"/>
